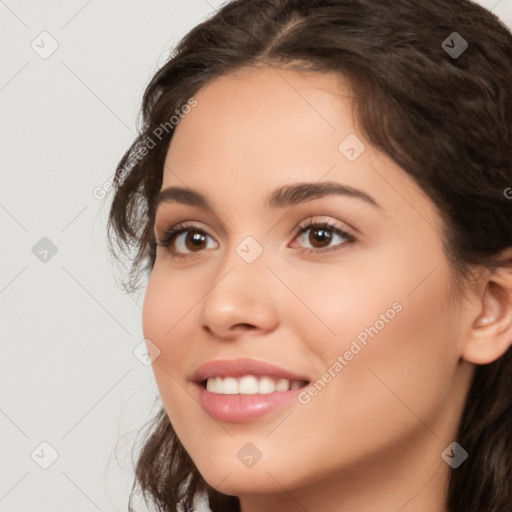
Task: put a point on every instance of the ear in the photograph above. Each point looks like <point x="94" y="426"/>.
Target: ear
<point x="490" y="335"/>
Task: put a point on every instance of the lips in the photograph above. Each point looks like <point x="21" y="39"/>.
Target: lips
<point x="245" y="389"/>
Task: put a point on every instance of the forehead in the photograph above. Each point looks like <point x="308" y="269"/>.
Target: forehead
<point x="255" y="109"/>
<point x="258" y="128"/>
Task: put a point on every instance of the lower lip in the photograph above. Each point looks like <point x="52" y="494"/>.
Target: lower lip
<point x="240" y="408"/>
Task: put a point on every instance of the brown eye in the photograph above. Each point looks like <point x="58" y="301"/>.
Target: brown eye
<point x="194" y="241"/>
<point x="183" y="240"/>
<point x="186" y="241"/>
<point x="319" y="237"/>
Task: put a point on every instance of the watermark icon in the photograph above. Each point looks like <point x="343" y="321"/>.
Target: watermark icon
<point x="304" y="397"/>
<point x="454" y="45"/>
<point x="146" y="352"/>
<point x="44" y="455"/>
<point x="454" y="455"/>
<point x="249" y="455"/>
<point x="150" y="142"/>
<point x="351" y="147"/>
<point x="44" y="250"/>
<point x="508" y="193"/>
<point x="249" y="249"/>
<point x="44" y="45"/>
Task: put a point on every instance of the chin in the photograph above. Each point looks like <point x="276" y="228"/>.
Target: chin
<point x="228" y="475"/>
<point x="243" y="480"/>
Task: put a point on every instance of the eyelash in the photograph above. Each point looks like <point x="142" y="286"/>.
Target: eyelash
<point x="184" y="227"/>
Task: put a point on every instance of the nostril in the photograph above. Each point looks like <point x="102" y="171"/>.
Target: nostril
<point x="234" y="327"/>
<point x="244" y="326"/>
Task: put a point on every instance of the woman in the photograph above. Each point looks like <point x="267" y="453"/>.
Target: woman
<point x="321" y="194"/>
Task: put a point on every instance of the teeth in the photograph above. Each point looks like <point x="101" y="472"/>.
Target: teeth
<point x="249" y="385"/>
<point x="230" y="386"/>
<point x="282" y="385"/>
<point x="266" y="385"/>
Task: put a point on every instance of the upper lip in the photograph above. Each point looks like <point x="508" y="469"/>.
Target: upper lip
<point x="241" y="367"/>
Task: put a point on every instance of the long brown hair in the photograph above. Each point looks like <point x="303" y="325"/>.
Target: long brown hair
<point x="445" y="119"/>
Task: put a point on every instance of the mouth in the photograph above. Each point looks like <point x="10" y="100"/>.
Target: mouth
<point x="245" y="389"/>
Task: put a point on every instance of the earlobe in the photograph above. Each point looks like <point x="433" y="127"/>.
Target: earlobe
<point x="484" y="321"/>
<point x="490" y="335"/>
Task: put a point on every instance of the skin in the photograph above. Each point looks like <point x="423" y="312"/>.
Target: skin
<point x="376" y="431"/>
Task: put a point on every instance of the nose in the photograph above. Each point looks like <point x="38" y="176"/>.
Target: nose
<point x="242" y="299"/>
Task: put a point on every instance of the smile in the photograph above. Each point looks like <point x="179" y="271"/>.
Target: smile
<point x="244" y="389"/>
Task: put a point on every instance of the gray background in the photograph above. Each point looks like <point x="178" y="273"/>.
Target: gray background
<point x="69" y="376"/>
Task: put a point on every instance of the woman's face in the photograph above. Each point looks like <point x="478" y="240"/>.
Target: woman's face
<point x="320" y="257"/>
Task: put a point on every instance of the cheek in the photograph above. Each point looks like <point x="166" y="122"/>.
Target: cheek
<point x="167" y="302"/>
<point x="391" y="327"/>
<point x="164" y="313"/>
<point x="341" y="303"/>
<point x="159" y="311"/>
<point x="407" y="363"/>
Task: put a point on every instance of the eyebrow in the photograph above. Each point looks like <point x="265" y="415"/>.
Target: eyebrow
<point x="287" y="195"/>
